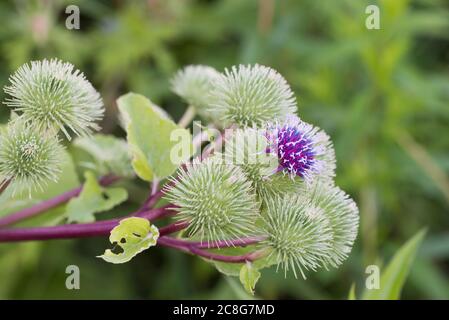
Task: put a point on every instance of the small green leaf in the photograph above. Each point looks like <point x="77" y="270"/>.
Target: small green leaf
<point x="249" y="277"/>
<point x="130" y="237"/>
<point x="110" y="154"/>
<point x="92" y="199"/>
<point x="152" y="138"/>
<point x="233" y="269"/>
<point x="351" y="295"/>
<point x="393" y="277"/>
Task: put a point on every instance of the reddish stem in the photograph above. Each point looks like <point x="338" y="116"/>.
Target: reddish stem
<point x="196" y="248"/>
<point x="189" y="248"/>
<point x="150" y="202"/>
<point x="103" y="228"/>
<point x="172" y="228"/>
<point x="231" y="259"/>
<point x="50" y="203"/>
<point x="81" y="230"/>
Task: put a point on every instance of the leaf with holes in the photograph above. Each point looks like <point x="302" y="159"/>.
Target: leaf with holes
<point x="130" y="237"/>
<point x="92" y="199"/>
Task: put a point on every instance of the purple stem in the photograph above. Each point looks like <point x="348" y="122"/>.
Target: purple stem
<point x="196" y="248"/>
<point x="231" y="259"/>
<point x="103" y="228"/>
<point x="50" y="203"/>
<point x="81" y="230"/>
<point x="150" y="202"/>
<point x="172" y="228"/>
<point x="154" y="214"/>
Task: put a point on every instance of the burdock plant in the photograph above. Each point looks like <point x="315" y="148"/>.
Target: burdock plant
<point x="262" y="194"/>
<point x="251" y="96"/>
<point x="53" y="94"/>
<point x="28" y="158"/>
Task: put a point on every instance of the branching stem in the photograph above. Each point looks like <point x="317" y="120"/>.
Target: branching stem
<point x="150" y="202"/>
<point x="191" y="247"/>
<point x="103" y="228"/>
<point x="81" y="230"/>
<point x="50" y="203"/>
<point x="230" y="259"/>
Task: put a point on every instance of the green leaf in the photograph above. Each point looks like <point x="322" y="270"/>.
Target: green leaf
<point x="351" y="295"/>
<point x="249" y="277"/>
<point x="153" y="138"/>
<point x="130" y="237"/>
<point x="393" y="277"/>
<point x="110" y="154"/>
<point x="92" y="199"/>
<point x="233" y="269"/>
<point x="237" y="290"/>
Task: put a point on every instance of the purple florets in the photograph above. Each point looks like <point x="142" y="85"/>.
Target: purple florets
<point x="294" y="150"/>
<point x="302" y="150"/>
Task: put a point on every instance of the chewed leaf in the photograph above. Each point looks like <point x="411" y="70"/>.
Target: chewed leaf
<point x="130" y="237"/>
<point x="151" y="137"/>
<point x="249" y="276"/>
<point x="92" y="199"/>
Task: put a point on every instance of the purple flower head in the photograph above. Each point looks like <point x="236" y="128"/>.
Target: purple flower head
<point x="302" y="149"/>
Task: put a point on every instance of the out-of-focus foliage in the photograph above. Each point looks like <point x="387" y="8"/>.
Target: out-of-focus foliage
<point x="396" y="272"/>
<point x="389" y="284"/>
<point x="383" y="96"/>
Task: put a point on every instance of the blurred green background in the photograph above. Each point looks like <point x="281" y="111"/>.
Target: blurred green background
<point x="382" y="95"/>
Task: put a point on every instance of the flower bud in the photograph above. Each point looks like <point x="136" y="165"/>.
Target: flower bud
<point x="251" y="95"/>
<point x="216" y="199"/>
<point x="52" y="94"/>
<point x="194" y="84"/>
<point x="28" y="158"/>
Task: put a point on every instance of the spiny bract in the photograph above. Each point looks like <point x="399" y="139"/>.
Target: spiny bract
<point x="247" y="148"/>
<point x="316" y="227"/>
<point x="194" y="84"/>
<point x="251" y="95"/>
<point x="342" y="213"/>
<point x="28" y="158"/>
<point x="52" y="94"/>
<point x="298" y="234"/>
<point x="216" y="199"/>
<point x="302" y="149"/>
